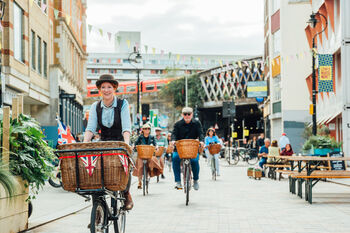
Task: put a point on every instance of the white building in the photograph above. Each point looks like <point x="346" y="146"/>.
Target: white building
<point x="289" y="61"/>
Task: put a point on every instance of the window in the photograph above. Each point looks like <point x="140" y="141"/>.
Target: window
<point x="276" y="43"/>
<point x="39" y="55"/>
<point x="18" y="33"/>
<point x="45" y="58"/>
<point x="276" y="4"/>
<point x="33" y="50"/>
<point x="276" y="89"/>
<point x="130" y="88"/>
<point x="150" y="87"/>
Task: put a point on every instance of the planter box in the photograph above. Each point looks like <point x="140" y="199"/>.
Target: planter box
<point x="14" y="211"/>
<point x="250" y="172"/>
<point x="257" y="174"/>
<point x="324" y="151"/>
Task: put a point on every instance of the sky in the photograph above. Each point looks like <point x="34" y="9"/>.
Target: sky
<point x="223" y="27"/>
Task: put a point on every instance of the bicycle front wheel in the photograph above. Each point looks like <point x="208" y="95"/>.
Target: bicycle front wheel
<point x="188" y="183"/>
<point x="213" y="170"/>
<point x="120" y="213"/>
<point x="144" y="180"/>
<point x="99" y="217"/>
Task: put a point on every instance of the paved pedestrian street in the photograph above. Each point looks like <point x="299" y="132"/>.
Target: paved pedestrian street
<point x="233" y="203"/>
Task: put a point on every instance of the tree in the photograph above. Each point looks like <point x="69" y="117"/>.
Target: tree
<point x="175" y="90"/>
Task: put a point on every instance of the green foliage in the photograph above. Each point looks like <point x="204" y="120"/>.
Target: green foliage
<point x="31" y="157"/>
<point x="7" y="181"/>
<point x="176" y="91"/>
<point x="319" y="142"/>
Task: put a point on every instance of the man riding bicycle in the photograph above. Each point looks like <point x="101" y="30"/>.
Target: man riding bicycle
<point x="186" y="128"/>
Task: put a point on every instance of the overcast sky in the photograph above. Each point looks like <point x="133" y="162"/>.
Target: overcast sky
<point x="232" y="27"/>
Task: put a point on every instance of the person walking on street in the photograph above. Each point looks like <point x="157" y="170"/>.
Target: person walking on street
<point x="261" y="140"/>
<point x="210" y="139"/>
<point x="186" y="128"/>
<point x="155" y="169"/>
<point x="161" y="141"/>
<point x="112" y="116"/>
<point x="284" y="140"/>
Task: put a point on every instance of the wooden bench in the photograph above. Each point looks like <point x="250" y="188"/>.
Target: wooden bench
<point x="312" y="179"/>
<point x="273" y="168"/>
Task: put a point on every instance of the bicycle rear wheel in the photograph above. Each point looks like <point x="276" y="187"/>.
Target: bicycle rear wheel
<point x="120" y="213"/>
<point x="252" y="157"/>
<point x="99" y="217"/>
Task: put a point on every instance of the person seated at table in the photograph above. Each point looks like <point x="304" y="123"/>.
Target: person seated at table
<point x="274" y="150"/>
<point x="264" y="151"/>
<point x="154" y="167"/>
<point x="288" y="151"/>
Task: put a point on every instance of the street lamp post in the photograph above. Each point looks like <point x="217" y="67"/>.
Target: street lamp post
<point x="186" y="87"/>
<point x="137" y="60"/>
<point x="312" y="22"/>
<point x="2" y="13"/>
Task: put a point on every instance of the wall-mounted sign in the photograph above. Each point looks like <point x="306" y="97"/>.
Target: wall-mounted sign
<point x="257" y="89"/>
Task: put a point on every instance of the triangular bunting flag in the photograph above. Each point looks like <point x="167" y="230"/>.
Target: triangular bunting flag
<point x="55" y="12"/>
<point x="119" y="39"/>
<point x="191" y="59"/>
<point x="146" y="48"/>
<point x="239" y="64"/>
<point x="79" y="24"/>
<point x="220" y="61"/>
<point x="43" y="7"/>
<point x="178" y="57"/>
<point x="90" y="28"/>
<point x="137" y="46"/>
<point x="128" y="43"/>
<point x="169" y="55"/>
<point x="68" y="19"/>
<point x="109" y="36"/>
<point x="154" y="50"/>
<point x="199" y="60"/>
<point x="256" y="63"/>
<point x="101" y="31"/>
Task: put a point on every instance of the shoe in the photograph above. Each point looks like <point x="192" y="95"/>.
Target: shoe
<point x="178" y="185"/>
<point x="129" y="204"/>
<point x="162" y="176"/>
<point x="140" y="185"/>
<point x="195" y="185"/>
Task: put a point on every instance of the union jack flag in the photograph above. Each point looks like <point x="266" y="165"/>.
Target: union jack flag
<point x="125" y="161"/>
<point x="64" y="134"/>
<point x="89" y="163"/>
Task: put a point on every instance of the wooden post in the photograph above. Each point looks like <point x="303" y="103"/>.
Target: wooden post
<point x="14" y="108"/>
<point x="20" y="104"/>
<point x="6" y="136"/>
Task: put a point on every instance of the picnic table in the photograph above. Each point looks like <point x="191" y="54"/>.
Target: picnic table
<point x="308" y="172"/>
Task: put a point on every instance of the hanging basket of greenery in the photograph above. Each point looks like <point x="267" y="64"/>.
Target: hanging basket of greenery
<point x="30" y="156"/>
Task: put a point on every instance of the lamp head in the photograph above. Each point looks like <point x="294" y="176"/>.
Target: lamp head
<point x="312" y="21"/>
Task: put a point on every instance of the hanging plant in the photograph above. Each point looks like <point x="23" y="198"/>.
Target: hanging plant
<point x="30" y="156"/>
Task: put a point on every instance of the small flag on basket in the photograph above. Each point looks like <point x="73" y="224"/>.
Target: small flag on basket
<point x="64" y="134"/>
<point x="125" y="162"/>
<point x="89" y="163"/>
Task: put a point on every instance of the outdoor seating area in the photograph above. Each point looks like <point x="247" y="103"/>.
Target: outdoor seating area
<point x="308" y="171"/>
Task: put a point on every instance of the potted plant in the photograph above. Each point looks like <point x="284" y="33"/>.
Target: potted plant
<point x="250" y="171"/>
<point x="31" y="158"/>
<point x="257" y="173"/>
<point x="7" y="181"/>
<point x="321" y="145"/>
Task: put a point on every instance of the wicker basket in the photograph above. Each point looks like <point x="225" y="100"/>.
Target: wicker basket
<point x="169" y="149"/>
<point x="187" y="148"/>
<point x="214" y="149"/>
<point x="160" y="151"/>
<point x="115" y="178"/>
<point x="145" y="151"/>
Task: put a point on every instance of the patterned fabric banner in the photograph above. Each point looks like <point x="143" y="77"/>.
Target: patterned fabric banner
<point x="325" y="75"/>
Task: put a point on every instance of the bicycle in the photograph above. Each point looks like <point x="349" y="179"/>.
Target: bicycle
<point x="187" y="150"/>
<point x="145" y="177"/>
<point x="55" y="180"/>
<point x="239" y="153"/>
<point x="101" y="213"/>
